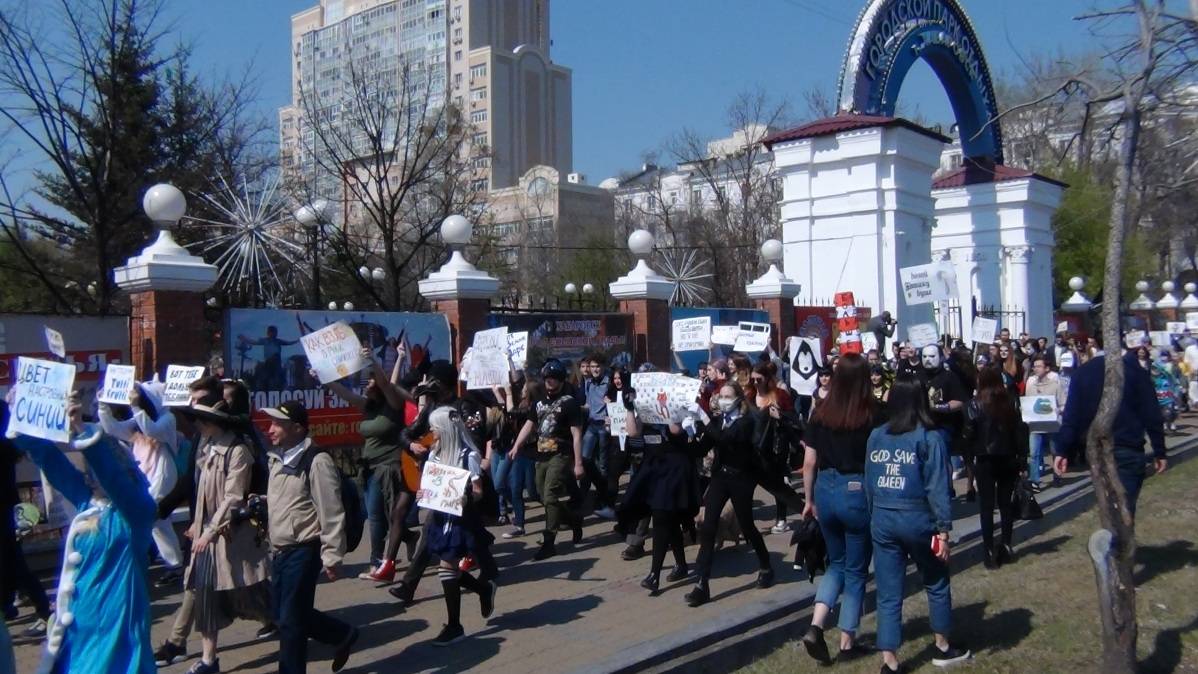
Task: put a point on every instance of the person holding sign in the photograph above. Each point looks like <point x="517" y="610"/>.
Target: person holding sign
<point x="559" y="444"/>
<point x="382" y="404"/>
<point x="1043" y="382"/>
<point x="103" y="607"/>
<point x="452" y="537"/>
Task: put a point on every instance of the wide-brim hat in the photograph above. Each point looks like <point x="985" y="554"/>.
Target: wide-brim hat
<point x="213" y="408"/>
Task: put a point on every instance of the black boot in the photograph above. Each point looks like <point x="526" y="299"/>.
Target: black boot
<point x="700" y="595"/>
<point x="989" y="561"/>
<point x="547" y="548"/>
<point x="577" y="531"/>
<point x="652" y="583"/>
<point x="765" y="578"/>
<point x="679" y="572"/>
<point x="816" y="647"/>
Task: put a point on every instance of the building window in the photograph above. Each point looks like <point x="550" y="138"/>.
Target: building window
<point x="479" y="185"/>
<point x="478" y="71"/>
<point x="457" y="34"/>
<point x="457" y="13"/>
<point x="478" y="94"/>
<point x="478" y="116"/>
<point x="480" y="139"/>
<point x="457" y="55"/>
<point x="457" y="80"/>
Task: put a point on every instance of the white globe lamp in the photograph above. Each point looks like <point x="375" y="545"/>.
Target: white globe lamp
<point x="1142" y="303"/>
<point x="332" y="306"/>
<point x="378" y="274"/>
<point x="364" y="272"/>
<point x="311" y="215"/>
<point x="1077" y="302"/>
<point x="456" y="231"/>
<point x="1167" y="301"/>
<point x="588" y="289"/>
<point x="640" y="243"/>
<point x="348" y="306"/>
<point x="1190" y="303"/>
<point x="771" y="250"/>
<point x="571" y="289"/>
<point x="165" y="205"/>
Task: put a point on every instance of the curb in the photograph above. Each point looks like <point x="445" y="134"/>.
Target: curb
<point x="741" y="635"/>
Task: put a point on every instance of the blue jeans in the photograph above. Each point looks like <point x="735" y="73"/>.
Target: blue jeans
<point x="594" y="444"/>
<point x="844" y="521"/>
<point x="900" y="535"/>
<point x="501" y="475"/>
<point x="377" y="516"/>
<point x="293" y="575"/>
<point x="1130" y="464"/>
<point x="1038" y="443"/>
<point x="515" y="477"/>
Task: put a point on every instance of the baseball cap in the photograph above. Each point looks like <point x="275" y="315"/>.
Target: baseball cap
<point x="292" y="410"/>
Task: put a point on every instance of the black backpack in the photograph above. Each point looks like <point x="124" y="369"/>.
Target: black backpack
<point x="351" y="500"/>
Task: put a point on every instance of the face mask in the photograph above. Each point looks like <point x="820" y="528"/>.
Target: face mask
<point x="931" y="358"/>
<point x="727" y="404"/>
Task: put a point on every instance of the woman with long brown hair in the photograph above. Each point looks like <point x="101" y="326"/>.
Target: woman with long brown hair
<point x="834" y="445"/>
<point x="1000" y="451"/>
<point x="778" y="427"/>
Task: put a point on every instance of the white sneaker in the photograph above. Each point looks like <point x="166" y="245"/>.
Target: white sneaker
<point x="516" y="532"/>
<point x="606" y="513"/>
<point x="780" y="527"/>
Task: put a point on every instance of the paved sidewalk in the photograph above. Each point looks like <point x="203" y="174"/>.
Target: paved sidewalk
<point x="575" y="612"/>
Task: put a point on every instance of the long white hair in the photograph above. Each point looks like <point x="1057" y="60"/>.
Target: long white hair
<point x="452" y="435"/>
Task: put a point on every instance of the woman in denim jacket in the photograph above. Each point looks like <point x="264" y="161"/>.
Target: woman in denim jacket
<point x="906" y="484"/>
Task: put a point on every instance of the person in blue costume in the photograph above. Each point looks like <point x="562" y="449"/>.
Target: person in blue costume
<point x="102" y="623"/>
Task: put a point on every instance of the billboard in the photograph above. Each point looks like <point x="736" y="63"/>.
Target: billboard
<point x="569" y="337"/>
<point x="262" y="347"/>
<point x="691" y="359"/>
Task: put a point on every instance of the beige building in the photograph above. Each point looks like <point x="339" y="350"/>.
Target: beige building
<point x="489" y="58"/>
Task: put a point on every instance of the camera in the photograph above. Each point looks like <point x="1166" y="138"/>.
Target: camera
<point x="253" y="510"/>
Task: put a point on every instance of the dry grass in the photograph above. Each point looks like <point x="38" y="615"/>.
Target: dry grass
<point x="1040" y="614"/>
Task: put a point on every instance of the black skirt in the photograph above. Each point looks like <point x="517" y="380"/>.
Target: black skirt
<point x="666" y="480"/>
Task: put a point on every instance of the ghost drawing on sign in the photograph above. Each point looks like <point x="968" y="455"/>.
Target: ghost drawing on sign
<point x="805" y="363"/>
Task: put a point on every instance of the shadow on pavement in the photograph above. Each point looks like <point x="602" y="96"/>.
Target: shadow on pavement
<point x="1155" y="560"/>
<point x="531" y="571"/>
<point x="972" y="629"/>
<point x="550" y="612"/>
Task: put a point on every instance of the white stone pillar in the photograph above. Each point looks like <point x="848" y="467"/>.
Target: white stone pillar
<point x="1017" y="295"/>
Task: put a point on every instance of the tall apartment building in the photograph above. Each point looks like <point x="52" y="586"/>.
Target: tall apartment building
<point x="489" y="58"/>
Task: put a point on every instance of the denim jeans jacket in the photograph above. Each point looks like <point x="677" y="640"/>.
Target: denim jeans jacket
<point x="909" y="472"/>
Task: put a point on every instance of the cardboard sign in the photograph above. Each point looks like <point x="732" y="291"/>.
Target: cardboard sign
<point x="1063" y="327"/>
<point x="39" y="402"/>
<point x="1192" y="321"/>
<point x="618" y="419"/>
<point x="922" y="334"/>
<point x="928" y="283"/>
<point x="55" y="342"/>
<point x="1160" y="338"/>
<point x="1134" y="339"/>
<point x="805" y="362"/>
<point x="495" y="339"/>
<point x="487" y="368"/>
<point x="178" y="377"/>
<point x="333" y="351"/>
<point x="517" y="348"/>
<point x="691" y="334"/>
<point x="1175" y="328"/>
<point x="752" y="337"/>
<point x="118" y="384"/>
<point x="1040" y="413"/>
<point x="984" y="330"/>
<point x="443" y="488"/>
<point x="724" y="334"/>
<point x="662" y="397"/>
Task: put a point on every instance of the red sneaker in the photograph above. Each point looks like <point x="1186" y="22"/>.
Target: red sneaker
<point x="467" y="564"/>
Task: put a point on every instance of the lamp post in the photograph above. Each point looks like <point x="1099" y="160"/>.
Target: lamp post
<point x="571" y="290"/>
<point x="312" y="216"/>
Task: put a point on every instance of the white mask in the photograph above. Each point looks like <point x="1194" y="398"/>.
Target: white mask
<point x="727" y="404"/>
<point x="930" y="357"/>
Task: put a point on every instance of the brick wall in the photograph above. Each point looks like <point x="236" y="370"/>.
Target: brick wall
<point x="166" y="326"/>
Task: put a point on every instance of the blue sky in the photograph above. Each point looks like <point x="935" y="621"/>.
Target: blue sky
<point x="643" y="69"/>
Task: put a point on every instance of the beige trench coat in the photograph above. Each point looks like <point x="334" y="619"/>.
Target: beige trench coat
<point x="225" y="468"/>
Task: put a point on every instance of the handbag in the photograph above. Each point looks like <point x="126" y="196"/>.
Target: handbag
<point x="1026" y="507"/>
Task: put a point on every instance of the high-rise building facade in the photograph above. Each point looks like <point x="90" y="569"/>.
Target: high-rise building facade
<point x="488" y="58"/>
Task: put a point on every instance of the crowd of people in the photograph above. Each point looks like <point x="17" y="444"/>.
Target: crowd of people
<point x="870" y="457"/>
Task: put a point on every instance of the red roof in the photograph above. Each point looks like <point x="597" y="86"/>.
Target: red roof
<point x="847" y="122"/>
<point x="973" y="174"/>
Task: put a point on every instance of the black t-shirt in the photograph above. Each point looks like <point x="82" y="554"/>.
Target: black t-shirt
<point x="945" y="387"/>
<point x="556" y="415"/>
<point x="842" y="450"/>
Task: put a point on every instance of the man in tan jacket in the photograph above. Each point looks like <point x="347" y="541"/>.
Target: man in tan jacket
<point x="1043" y="382"/>
<point x="307" y="533"/>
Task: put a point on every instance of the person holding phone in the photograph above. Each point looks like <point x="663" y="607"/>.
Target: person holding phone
<point x="906" y="486"/>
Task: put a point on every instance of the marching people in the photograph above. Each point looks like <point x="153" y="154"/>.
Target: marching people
<point x="777" y="429"/>
<point x="906" y="486"/>
<point x="595" y="440"/>
<point x="999" y="447"/>
<point x="730" y="435"/>
<point x="382" y="405"/>
<point x="16" y="574"/>
<point x="1042" y="382"/>
<point x="228" y="569"/>
<point x="103" y="603"/>
<point x="307" y="535"/>
<point x="834" y="444"/>
<point x="559" y="446"/>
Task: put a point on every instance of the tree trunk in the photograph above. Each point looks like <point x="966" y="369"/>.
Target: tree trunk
<point x="1113" y="548"/>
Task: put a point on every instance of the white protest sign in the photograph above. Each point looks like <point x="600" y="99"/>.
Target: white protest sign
<point x="118" y="384"/>
<point x="443" y="488"/>
<point x="869" y="342"/>
<point x="487" y="368"/>
<point x="922" y="334"/>
<point x="39" y="399"/>
<point x="54" y="340"/>
<point x="662" y="397"/>
<point x="1040" y="413"/>
<point x="1192" y="321"/>
<point x="928" y="283"/>
<point x="1176" y="328"/>
<point x="805" y="362"/>
<point x="495" y="338"/>
<point x="175" y="392"/>
<point x="333" y="351"/>
<point x="724" y="334"/>
<point x="752" y="337"/>
<point x="984" y="330"/>
<point x="618" y="418"/>
<point x="692" y="334"/>
<point x="517" y="348"/>
<point x="1063" y="326"/>
<point x="1134" y="339"/>
<point x="1160" y="338"/>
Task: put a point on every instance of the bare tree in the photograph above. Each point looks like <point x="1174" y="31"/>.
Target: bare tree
<point x="383" y="145"/>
